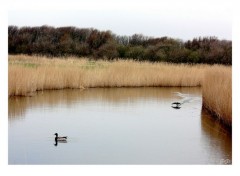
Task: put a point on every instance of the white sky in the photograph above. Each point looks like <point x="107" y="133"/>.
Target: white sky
<point x="184" y="19"/>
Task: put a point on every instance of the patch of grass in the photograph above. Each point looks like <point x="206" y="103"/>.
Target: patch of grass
<point x="93" y="65"/>
<point x="30" y="65"/>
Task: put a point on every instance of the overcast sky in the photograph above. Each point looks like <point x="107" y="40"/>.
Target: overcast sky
<point x="183" y="19"/>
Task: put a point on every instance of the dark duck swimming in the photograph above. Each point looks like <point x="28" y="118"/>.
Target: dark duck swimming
<point x="58" y="138"/>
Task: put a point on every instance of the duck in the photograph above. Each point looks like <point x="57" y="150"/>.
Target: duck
<point x="176" y="105"/>
<point x="64" y="138"/>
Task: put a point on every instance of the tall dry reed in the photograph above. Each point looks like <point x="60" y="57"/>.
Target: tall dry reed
<point x="29" y="74"/>
<point x="217" y="92"/>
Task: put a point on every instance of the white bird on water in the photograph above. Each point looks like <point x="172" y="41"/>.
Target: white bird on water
<point x="186" y="98"/>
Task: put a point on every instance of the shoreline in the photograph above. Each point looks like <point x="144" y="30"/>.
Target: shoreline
<point x="217" y="118"/>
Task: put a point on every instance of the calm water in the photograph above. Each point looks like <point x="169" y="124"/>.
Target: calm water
<point x="116" y="126"/>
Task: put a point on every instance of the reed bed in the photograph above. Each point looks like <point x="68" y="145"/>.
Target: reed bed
<point x="217" y="92"/>
<point x="29" y="74"/>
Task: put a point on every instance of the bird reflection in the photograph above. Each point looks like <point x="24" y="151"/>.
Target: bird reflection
<point x="56" y="142"/>
<point x="176" y="107"/>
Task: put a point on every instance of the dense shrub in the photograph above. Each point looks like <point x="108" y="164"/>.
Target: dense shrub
<point x="64" y="41"/>
<point x="107" y="50"/>
<point x="135" y="52"/>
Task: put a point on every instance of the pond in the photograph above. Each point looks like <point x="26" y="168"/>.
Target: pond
<point x="116" y="126"/>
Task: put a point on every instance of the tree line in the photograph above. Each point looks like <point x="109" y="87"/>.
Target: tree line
<point x="89" y="42"/>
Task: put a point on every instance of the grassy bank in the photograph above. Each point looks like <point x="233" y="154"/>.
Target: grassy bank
<point x="30" y="74"/>
<point x="217" y="92"/>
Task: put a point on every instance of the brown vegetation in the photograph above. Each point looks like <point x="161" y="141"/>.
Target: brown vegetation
<point x="29" y="74"/>
<point x="217" y="92"/>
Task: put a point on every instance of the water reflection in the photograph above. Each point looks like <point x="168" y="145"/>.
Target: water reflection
<point x="17" y="106"/>
<point x="56" y="142"/>
<point x="176" y="107"/>
<point x="216" y="137"/>
<point x="116" y="126"/>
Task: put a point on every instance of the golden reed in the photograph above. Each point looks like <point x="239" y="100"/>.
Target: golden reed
<point x="28" y="74"/>
<point x="217" y="92"/>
